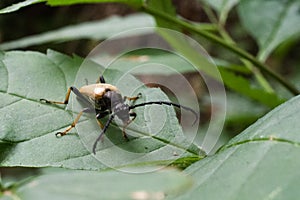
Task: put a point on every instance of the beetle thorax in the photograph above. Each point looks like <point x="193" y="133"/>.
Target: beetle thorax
<point x="101" y="95"/>
<point x="96" y="91"/>
<point x="122" y="111"/>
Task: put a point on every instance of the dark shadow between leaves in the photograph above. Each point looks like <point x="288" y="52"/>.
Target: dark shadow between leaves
<point x="5" y="149"/>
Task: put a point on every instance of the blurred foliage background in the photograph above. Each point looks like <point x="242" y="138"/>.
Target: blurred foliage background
<point x="241" y="110"/>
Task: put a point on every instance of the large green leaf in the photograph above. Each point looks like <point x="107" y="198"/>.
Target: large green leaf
<point x="28" y="126"/>
<point x="71" y="184"/>
<point x="261" y="163"/>
<point x="270" y="22"/>
<point x="96" y="30"/>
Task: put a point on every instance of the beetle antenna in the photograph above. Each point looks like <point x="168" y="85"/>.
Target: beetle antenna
<point x="102" y="132"/>
<point x="169" y="104"/>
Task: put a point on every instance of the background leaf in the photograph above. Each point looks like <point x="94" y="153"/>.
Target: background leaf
<point x="95" y="30"/>
<point x="28" y="126"/>
<point x="196" y="55"/>
<point x="275" y="23"/>
<point x="70" y="184"/>
<point x="265" y="158"/>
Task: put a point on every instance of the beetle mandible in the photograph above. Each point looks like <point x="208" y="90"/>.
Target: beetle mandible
<point x="105" y="99"/>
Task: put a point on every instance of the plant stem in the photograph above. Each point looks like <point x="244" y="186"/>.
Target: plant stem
<point x="257" y="73"/>
<point x="233" y="48"/>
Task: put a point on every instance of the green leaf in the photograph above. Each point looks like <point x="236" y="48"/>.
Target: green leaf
<point x="261" y="163"/>
<point x="270" y="22"/>
<point x="241" y="112"/>
<point x="28" y="126"/>
<point x="96" y="30"/>
<point x="70" y="184"/>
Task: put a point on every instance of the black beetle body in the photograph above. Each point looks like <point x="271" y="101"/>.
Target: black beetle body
<point x="105" y="99"/>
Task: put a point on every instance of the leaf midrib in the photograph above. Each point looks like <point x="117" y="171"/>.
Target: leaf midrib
<point x="65" y="126"/>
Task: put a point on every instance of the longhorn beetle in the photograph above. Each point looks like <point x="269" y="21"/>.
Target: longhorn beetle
<point x="105" y="99"/>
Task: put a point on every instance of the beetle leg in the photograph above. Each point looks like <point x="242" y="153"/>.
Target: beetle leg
<point x="66" y="101"/>
<point x="59" y="102"/>
<point x="59" y="134"/>
<point x="133" y="114"/>
<point x="100" y="124"/>
<point x="99" y="116"/>
<point x="102" y="132"/>
<point x="133" y="98"/>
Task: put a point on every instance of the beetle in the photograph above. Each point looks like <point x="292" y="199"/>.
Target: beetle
<point x="105" y="99"/>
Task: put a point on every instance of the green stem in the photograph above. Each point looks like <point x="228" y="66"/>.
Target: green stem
<point x="229" y="46"/>
<point x="258" y="75"/>
<point x="210" y="14"/>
